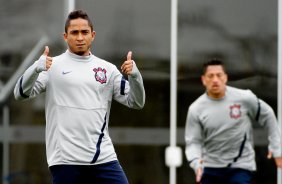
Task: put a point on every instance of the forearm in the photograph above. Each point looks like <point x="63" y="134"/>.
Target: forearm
<point x="193" y="155"/>
<point x="137" y="91"/>
<point x="25" y="83"/>
<point x="268" y="119"/>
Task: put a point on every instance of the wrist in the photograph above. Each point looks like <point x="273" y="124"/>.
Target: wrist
<point x="41" y="64"/>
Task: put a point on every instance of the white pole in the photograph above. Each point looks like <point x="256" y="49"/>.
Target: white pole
<point x="69" y="6"/>
<point x="279" y="101"/>
<point x="6" y="147"/>
<point x="173" y="84"/>
<point x="173" y="73"/>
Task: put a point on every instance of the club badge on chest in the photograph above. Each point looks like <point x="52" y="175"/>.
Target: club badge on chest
<point x="100" y="75"/>
<point x="235" y="111"/>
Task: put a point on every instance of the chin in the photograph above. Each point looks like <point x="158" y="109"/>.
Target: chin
<point x="80" y="53"/>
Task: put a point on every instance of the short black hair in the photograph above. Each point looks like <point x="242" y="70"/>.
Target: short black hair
<point x="75" y="15"/>
<point x="212" y="62"/>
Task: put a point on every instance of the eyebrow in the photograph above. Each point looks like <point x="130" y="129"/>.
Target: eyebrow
<point x="80" y="30"/>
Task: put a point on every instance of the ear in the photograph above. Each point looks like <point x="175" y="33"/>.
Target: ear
<point x="203" y="80"/>
<point x="65" y="36"/>
<point x="93" y="34"/>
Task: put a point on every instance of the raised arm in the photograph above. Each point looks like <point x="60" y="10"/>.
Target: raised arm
<point x="129" y="92"/>
<point x="30" y="84"/>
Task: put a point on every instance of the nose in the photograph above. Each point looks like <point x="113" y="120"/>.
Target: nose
<point x="79" y="36"/>
<point x="215" y="79"/>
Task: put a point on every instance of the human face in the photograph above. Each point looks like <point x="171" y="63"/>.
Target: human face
<point x="215" y="81"/>
<point x="79" y="37"/>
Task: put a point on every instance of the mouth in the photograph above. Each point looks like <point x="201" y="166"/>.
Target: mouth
<point x="215" y="86"/>
<point x="80" y="45"/>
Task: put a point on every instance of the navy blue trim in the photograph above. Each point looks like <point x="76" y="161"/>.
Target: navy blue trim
<point x="258" y="112"/>
<point x="240" y="151"/>
<point x="21" y="89"/>
<point x="98" y="145"/>
<point x="190" y="161"/>
<point x="122" y="85"/>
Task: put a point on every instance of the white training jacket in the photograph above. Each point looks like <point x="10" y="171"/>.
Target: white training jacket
<point x="79" y="91"/>
<point x="219" y="131"/>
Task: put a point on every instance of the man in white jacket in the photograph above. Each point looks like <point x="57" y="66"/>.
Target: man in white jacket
<point x="79" y="90"/>
<point x="218" y="132"/>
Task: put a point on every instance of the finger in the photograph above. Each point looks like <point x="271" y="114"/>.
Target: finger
<point x="122" y="66"/>
<point x="124" y="70"/>
<point x="127" y="67"/>
<point x="269" y="155"/>
<point x="128" y="72"/>
<point x="129" y="56"/>
<point x="48" y="62"/>
<point x="126" y="64"/>
<point x="46" y="51"/>
<point x="198" y="179"/>
<point x="199" y="175"/>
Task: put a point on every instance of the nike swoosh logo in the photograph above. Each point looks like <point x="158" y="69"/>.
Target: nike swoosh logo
<point x="64" y="73"/>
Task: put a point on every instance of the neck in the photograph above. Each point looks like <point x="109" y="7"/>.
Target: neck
<point x="81" y="53"/>
<point x="216" y="95"/>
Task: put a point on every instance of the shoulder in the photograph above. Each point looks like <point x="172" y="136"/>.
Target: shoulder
<point x="200" y="101"/>
<point x="245" y="96"/>
<point x="59" y="57"/>
<point x="244" y="93"/>
<point x="103" y="62"/>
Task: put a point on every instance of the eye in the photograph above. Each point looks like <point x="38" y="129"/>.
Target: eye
<point x="74" y="32"/>
<point x="220" y="75"/>
<point x="210" y="76"/>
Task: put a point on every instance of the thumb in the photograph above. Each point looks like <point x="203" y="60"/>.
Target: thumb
<point x="129" y="55"/>
<point x="46" y="51"/>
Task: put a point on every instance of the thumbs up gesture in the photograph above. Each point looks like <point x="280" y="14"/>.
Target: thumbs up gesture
<point x="127" y="66"/>
<point x="45" y="61"/>
<point x="48" y="59"/>
<point x="46" y="51"/>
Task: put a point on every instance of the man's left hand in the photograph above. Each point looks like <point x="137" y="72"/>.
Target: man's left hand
<point x="127" y="66"/>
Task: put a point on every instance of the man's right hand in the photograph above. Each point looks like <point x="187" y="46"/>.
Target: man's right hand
<point x="48" y="59"/>
<point x="44" y="62"/>
<point x="199" y="174"/>
<point x="278" y="160"/>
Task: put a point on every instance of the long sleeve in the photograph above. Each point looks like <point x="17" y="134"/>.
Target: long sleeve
<point x="268" y="119"/>
<point x="193" y="139"/>
<point x="30" y="84"/>
<point x="264" y="115"/>
<point x="130" y="93"/>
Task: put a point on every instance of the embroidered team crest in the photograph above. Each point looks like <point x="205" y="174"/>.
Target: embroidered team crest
<point x="100" y="75"/>
<point x="235" y="111"/>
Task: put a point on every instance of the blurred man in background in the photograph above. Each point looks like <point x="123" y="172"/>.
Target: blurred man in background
<point x="79" y="90"/>
<point x="218" y="132"/>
